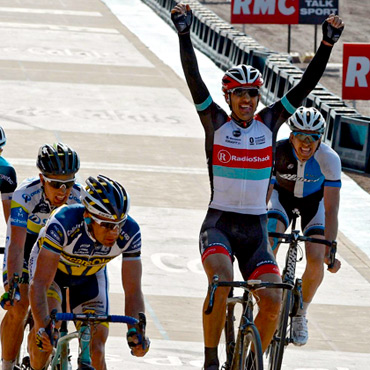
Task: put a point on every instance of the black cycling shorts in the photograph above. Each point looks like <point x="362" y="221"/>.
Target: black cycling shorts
<point x="238" y="235"/>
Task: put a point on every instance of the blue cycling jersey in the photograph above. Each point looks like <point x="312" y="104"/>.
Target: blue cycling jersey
<point x="67" y="234"/>
<point x="8" y="179"/>
<point x="302" y="179"/>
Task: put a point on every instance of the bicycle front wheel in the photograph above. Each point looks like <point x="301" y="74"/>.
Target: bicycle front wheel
<point x="278" y="343"/>
<point x="251" y="358"/>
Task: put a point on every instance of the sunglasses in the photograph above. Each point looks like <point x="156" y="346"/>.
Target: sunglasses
<point x="57" y="184"/>
<point x="242" y="92"/>
<point x="110" y="225"/>
<point x="303" y="136"/>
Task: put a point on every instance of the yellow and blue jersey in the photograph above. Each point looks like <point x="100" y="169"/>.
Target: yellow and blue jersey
<point x="67" y="234"/>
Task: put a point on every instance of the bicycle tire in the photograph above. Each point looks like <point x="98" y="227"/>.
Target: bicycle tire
<point x="278" y="343"/>
<point x="251" y="360"/>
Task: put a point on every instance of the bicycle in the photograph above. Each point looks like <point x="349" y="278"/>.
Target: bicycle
<point x="246" y="351"/>
<point x="60" y="356"/>
<point x="292" y="299"/>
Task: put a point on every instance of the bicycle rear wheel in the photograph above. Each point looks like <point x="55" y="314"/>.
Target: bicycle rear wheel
<point x="251" y="358"/>
<point x="278" y="343"/>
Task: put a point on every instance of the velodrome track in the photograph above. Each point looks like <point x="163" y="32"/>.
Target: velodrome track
<point x="71" y="71"/>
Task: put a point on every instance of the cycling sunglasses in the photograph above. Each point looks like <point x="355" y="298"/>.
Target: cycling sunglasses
<point x="110" y="225"/>
<point x="57" y="184"/>
<point x="303" y="136"/>
<point x="244" y="91"/>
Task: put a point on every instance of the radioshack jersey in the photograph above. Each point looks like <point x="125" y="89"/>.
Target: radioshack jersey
<point x="66" y="233"/>
<point x="241" y="160"/>
<point x="302" y="179"/>
<point x="240" y="154"/>
<point x="8" y="179"/>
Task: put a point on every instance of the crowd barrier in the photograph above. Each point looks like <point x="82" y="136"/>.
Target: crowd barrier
<point x="347" y="131"/>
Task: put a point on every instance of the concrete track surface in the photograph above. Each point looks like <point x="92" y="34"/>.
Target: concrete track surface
<point x="71" y="71"/>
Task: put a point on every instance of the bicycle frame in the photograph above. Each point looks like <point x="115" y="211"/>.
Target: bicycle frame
<point x="247" y="332"/>
<point x="291" y="300"/>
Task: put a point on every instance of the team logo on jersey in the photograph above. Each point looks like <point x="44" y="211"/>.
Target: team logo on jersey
<point x="259" y="140"/>
<point x="251" y="140"/>
<point x="224" y="156"/>
<point x="35" y="219"/>
<point x="26" y="198"/>
<point x="236" y="133"/>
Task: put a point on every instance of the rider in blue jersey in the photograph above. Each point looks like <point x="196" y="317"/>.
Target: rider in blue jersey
<point x="31" y="205"/>
<point x="8" y="178"/>
<point x="239" y="150"/>
<point x="307" y="177"/>
<point x="72" y="251"/>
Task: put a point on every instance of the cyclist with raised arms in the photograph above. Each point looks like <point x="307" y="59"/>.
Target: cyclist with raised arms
<point x="239" y="149"/>
<point x="8" y="178"/>
<point x="31" y="205"/>
<point x="75" y="246"/>
<point x="307" y="177"/>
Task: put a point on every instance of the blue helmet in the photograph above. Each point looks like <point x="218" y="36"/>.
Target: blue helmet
<point x="106" y="198"/>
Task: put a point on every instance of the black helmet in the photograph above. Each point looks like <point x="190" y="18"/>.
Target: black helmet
<point x="2" y="137"/>
<point x="107" y="198"/>
<point x="57" y="159"/>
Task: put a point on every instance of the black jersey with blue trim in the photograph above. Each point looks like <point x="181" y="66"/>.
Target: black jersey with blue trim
<point x="240" y="157"/>
<point x="66" y="233"/>
<point x="305" y="178"/>
<point x="8" y="179"/>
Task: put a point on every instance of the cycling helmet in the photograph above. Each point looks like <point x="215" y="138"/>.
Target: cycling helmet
<point x="307" y="119"/>
<point x="2" y="137"/>
<point x="241" y="76"/>
<point x="106" y="198"/>
<point x="57" y="159"/>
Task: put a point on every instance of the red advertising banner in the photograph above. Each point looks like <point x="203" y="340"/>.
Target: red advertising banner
<point x="262" y="11"/>
<point x="356" y="72"/>
<point x="282" y="11"/>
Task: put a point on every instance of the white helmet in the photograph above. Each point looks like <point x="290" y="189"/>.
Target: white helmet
<point x="2" y="137"/>
<point x="241" y="75"/>
<point x="307" y="119"/>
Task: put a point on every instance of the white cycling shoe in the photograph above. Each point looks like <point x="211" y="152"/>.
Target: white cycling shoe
<point x="299" y="330"/>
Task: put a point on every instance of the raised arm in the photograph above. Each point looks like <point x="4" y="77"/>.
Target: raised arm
<point x="182" y="17"/>
<point x="332" y="29"/>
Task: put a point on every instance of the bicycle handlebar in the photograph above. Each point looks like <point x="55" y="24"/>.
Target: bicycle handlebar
<point x="94" y="318"/>
<point x="249" y="285"/>
<point x="295" y="237"/>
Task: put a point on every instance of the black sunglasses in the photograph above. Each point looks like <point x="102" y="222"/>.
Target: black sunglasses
<point x="244" y="91"/>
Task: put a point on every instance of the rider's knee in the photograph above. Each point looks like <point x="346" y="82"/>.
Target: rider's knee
<point x="270" y="304"/>
<point x="18" y="313"/>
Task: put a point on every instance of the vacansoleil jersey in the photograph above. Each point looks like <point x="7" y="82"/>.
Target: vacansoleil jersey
<point x="305" y="178"/>
<point x="8" y="179"/>
<point x="66" y="233"/>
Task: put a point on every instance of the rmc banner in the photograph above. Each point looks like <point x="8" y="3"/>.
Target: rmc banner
<point x="282" y="11"/>
<point x="356" y="72"/>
